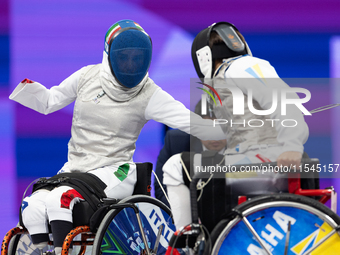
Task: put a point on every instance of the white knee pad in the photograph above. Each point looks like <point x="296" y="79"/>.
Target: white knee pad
<point x="60" y="202"/>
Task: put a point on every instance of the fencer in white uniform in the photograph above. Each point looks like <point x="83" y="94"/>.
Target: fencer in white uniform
<point x="113" y="101"/>
<point x="223" y="61"/>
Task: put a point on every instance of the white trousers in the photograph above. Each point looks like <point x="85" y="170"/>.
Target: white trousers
<point x="44" y="206"/>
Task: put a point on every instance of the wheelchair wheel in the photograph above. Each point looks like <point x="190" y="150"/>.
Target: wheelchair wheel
<point x="278" y="224"/>
<point x="21" y="244"/>
<point x="119" y="231"/>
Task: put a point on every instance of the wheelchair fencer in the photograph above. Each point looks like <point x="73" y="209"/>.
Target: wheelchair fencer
<point x="294" y="221"/>
<point x="138" y="224"/>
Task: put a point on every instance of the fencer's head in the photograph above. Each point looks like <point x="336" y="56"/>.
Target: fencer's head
<point x="129" y="50"/>
<point x="219" y="41"/>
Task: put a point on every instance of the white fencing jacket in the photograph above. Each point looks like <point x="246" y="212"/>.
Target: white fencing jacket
<point x="108" y="118"/>
<point x="245" y="131"/>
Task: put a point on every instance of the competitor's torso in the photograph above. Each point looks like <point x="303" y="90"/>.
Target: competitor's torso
<point x="241" y="134"/>
<point x="104" y="131"/>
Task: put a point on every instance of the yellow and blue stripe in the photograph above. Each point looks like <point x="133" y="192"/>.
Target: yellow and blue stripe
<point x="256" y="72"/>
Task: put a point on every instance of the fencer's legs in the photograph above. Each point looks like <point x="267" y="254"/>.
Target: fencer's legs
<point x="178" y="192"/>
<point x="59" y="205"/>
<point x="179" y="197"/>
<point x="34" y="217"/>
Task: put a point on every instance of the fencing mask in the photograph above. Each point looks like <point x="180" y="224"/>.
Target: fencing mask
<point x="129" y="50"/>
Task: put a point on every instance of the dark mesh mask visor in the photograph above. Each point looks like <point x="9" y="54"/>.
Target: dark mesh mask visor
<point x="130" y="57"/>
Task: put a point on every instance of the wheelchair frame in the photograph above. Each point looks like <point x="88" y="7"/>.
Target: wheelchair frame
<point x="294" y="187"/>
<point x="87" y="236"/>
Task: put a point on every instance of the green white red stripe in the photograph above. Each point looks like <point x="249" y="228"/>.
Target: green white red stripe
<point x="111" y="32"/>
<point x="116" y="27"/>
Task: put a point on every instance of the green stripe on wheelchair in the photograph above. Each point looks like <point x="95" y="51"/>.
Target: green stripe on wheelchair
<point x="122" y="171"/>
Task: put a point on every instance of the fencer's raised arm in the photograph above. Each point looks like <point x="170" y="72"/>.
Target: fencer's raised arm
<point x="164" y="108"/>
<point x="37" y="97"/>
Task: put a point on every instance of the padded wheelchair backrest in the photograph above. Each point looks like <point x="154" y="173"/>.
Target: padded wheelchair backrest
<point x="143" y="184"/>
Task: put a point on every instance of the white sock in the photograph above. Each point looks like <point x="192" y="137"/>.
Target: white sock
<point x="57" y="250"/>
<point x="41" y="245"/>
<point x="179" y="197"/>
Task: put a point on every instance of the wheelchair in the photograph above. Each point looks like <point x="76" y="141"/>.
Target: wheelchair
<point x="138" y="224"/>
<point x="273" y="224"/>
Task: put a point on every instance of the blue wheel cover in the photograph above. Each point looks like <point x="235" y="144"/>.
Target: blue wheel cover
<point x="271" y="225"/>
<point x="123" y="235"/>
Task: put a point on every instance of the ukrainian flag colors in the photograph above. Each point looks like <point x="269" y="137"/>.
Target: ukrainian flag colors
<point x="256" y="72"/>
